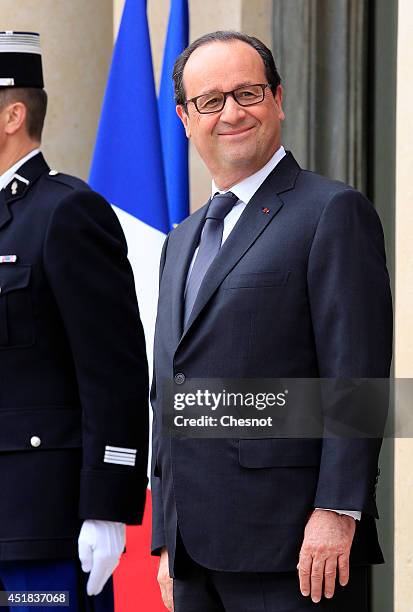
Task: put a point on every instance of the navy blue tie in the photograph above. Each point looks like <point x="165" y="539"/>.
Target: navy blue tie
<point x="209" y="245"/>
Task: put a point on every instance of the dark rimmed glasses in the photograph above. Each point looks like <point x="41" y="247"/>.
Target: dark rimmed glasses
<point x="214" y="102"/>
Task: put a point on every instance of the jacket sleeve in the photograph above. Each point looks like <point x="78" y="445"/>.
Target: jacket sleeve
<point x="85" y="258"/>
<point x="158" y="527"/>
<point x="351" y="309"/>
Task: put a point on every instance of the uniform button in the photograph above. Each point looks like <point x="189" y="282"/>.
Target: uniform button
<point x="35" y="441"/>
<point x="179" y="378"/>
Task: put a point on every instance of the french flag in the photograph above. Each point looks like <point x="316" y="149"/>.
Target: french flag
<point x="140" y="165"/>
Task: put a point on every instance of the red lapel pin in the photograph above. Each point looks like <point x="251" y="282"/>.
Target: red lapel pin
<point x="266" y="211"/>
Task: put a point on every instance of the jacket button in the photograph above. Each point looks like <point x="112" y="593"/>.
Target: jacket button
<point x="35" y="441"/>
<point x="179" y="378"/>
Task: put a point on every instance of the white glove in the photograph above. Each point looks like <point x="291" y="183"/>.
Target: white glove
<point x="100" y="544"/>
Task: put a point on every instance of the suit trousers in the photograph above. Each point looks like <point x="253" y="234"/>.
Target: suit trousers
<point x="56" y="575"/>
<point x="198" y="589"/>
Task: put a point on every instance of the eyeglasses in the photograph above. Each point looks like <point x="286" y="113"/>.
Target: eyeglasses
<point x="214" y="102"/>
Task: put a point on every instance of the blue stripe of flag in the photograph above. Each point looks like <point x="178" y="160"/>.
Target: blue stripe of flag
<point x="174" y="141"/>
<point x="127" y="166"/>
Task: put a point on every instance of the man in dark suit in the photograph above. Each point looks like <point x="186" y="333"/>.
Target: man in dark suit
<point x="281" y="274"/>
<point x="74" y="388"/>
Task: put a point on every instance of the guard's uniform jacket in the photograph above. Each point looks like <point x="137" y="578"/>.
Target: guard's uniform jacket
<point x="73" y="371"/>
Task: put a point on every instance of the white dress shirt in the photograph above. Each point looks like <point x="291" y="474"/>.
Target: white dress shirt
<point x="244" y="190"/>
<point x="6" y="177"/>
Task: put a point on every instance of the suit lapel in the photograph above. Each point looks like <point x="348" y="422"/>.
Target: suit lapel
<point x="189" y="243"/>
<point x="259" y="212"/>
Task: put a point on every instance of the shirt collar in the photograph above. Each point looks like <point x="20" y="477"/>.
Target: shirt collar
<point x="245" y="189"/>
<point x="6" y="177"/>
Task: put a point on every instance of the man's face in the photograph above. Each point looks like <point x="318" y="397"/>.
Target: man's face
<point x="237" y="141"/>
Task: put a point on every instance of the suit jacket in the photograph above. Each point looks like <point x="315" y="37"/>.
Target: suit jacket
<point x="297" y="291"/>
<point x="72" y="366"/>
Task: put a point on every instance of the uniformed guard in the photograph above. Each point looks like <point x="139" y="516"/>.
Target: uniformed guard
<point x="73" y="371"/>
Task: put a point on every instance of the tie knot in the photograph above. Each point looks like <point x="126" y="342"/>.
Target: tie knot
<point x="220" y="205"/>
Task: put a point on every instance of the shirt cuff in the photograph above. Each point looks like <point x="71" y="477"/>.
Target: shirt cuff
<point x="355" y="514"/>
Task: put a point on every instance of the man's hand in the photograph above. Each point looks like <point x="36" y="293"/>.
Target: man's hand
<point x="101" y="544"/>
<point x="327" y="541"/>
<point x="165" y="581"/>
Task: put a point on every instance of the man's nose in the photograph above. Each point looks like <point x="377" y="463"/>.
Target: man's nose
<point x="232" y="111"/>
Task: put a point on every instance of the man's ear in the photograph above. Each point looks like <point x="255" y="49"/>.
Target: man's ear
<point x="278" y="101"/>
<point x="184" y="117"/>
<point x="15" y="117"/>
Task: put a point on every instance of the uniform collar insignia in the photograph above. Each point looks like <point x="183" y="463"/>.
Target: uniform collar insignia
<point x="16" y="188"/>
<point x="24" y="178"/>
